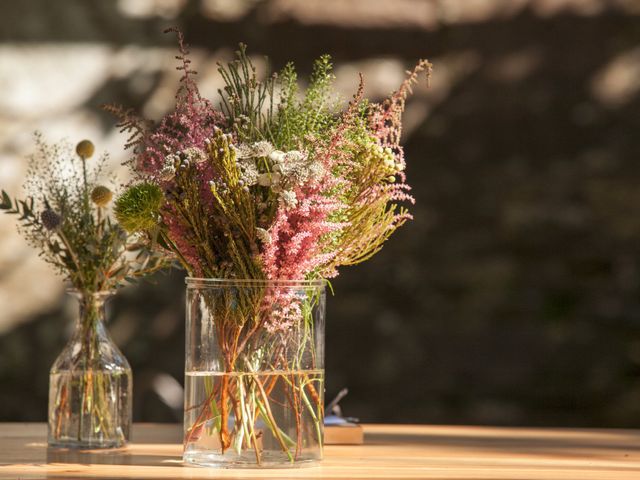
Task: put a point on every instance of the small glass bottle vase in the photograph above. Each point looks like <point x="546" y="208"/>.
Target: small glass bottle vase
<point x="254" y="385"/>
<point x="90" y="384"/>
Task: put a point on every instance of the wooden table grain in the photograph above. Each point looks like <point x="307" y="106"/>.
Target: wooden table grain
<point x="389" y="452"/>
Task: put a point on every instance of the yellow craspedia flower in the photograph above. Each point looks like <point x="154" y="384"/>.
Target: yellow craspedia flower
<point x="85" y="149"/>
<point x="101" y="196"/>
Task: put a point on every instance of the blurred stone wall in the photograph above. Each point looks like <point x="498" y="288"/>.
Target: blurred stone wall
<point x="512" y="298"/>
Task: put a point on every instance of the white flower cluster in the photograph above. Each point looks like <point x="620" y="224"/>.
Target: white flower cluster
<point x="263" y="235"/>
<point x="246" y="156"/>
<point x="296" y="167"/>
<point x="248" y="173"/>
<point x="287" y="170"/>
<point x="288" y="198"/>
<point x="193" y="155"/>
<point x="255" y="150"/>
<point x="189" y="156"/>
<point x="168" y="170"/>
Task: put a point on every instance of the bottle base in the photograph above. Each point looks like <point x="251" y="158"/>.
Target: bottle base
<point x="86" y="445"/>
<point x="268" y="460"/>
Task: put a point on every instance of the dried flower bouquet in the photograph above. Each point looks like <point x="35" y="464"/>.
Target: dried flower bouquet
<point x="275" y="185"/>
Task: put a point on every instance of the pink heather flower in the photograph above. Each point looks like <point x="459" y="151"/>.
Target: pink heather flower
<point x="293" y="251"/>
<point x="190" y="125"/>
<point x="281" y="309"/>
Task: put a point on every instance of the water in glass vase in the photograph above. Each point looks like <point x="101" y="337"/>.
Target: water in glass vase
<point x="261" y="419"/>
<point x="89" y="409"/>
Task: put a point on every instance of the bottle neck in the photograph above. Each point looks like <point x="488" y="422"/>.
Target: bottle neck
<point x="92" y="309"/>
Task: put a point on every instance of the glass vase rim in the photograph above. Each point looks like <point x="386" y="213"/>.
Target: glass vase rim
<point x="79" y="293"/>
<point x="252" y="282"/>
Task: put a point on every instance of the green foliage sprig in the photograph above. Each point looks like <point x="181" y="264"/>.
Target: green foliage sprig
<point x="247" y="102"/>
<point x="270" y="109"/>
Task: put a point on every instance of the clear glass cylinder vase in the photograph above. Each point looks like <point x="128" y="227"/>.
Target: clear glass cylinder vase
<point x="254" y="386"/>
<point x="90" y="384"/>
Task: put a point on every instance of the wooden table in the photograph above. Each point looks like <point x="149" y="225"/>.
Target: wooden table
<point x="390" y="451"/>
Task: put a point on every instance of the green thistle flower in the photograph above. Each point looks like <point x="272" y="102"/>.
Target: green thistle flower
<point x="101" y="196"/>
<point x="138" y="209"/>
